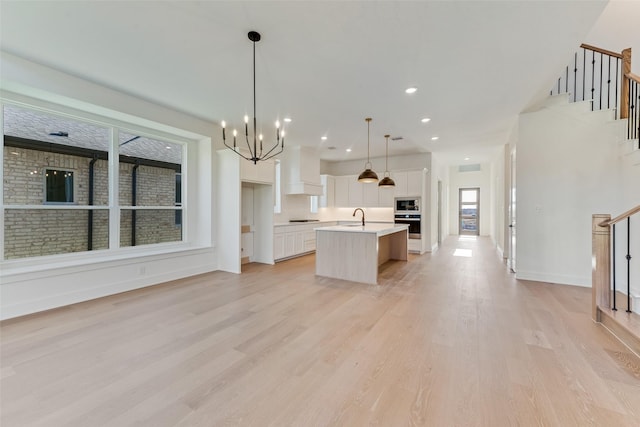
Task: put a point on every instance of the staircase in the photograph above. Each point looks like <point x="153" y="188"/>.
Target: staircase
<point x="603" y="78"/>
<point x="601" y="81"/>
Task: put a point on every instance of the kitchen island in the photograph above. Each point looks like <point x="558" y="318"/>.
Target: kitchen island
<point x="354" y="252"/>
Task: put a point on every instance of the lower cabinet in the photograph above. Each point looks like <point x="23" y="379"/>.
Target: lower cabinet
<point x="293" y="240"/>
<point x="278" y="246"/>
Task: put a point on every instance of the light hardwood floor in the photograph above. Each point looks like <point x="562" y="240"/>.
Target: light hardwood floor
<point x="443" y="341"/>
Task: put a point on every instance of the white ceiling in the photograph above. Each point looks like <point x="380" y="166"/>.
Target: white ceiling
<point x="326" y="64"/>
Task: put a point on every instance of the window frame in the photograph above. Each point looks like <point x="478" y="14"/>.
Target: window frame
<point x="151" y="130"/>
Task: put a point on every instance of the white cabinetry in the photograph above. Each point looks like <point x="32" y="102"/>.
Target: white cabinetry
<point x="408" y="183"/>
<point x="246" y="250"/>
<point x="370" y="196"/>
<point x="385" y="196"/>
<point x="293" y="240"/>
<point x="278" y="246"/>
<point x="341" y="195"/>
<point x="327" y="200"/>
<point x="356" y="198"/>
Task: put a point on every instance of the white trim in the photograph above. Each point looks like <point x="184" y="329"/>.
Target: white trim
<point x="554" y="278"/>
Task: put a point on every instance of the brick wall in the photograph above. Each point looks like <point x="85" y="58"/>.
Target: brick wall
<point x="45" y="232"/>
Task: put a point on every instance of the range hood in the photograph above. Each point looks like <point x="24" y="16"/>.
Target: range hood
<point x="301" y="171"/>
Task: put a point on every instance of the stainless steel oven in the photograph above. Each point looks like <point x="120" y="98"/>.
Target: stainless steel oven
<point x="413" y="221"/>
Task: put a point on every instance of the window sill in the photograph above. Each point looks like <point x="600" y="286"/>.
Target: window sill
<point x="88" y="260"/>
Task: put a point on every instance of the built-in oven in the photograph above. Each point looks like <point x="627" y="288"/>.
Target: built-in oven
<point x="413" y="221"/>
<point x="407" y="205"/>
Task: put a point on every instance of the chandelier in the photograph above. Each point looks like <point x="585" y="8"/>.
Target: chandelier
<point x="256" y="152"/>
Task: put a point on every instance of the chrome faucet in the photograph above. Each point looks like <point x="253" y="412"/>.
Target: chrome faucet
<point x="359" y="209"/>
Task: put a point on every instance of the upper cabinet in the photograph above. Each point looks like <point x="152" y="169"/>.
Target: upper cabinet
<point x="327" y="200"/>
<point x="408" y="183"/>
<point x="301" y="171"/>
<point x="341" y="193"/>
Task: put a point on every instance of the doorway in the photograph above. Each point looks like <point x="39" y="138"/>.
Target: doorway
<point x="439" y="212"/>
<point x="469" y="211"/>
<point x="511" y="261"/>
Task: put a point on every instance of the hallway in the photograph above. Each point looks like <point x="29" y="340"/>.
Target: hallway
<point x="449" y="338"/>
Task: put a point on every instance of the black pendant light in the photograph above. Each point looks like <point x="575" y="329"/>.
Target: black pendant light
<point x="386" y="181"/>
<point x="368" y="176"/>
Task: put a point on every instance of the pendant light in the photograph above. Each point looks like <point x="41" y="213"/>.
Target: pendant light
<point x="368" y="176"/>
<point x="386" y="181"/>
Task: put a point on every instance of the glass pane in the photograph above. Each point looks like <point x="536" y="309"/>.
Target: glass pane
<point x="151" y="226"/>
<point x="36" y="142"/>
<point x="471" y="210"/>
<point x="467" y="196"/>
<point x="149" y="171"/>
<point x="469" y="224"/>
<point x="39" y="232"/>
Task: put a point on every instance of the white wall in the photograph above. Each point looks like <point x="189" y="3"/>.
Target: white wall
<point x="568" y="168"/>
<point x="617" y="29"/>
<point x="498" y="204"/>
<point x="480" y="179"/>
<point x="32" y="285"/>
<point x="396" y="163"/>
<point x="439" y="172"/>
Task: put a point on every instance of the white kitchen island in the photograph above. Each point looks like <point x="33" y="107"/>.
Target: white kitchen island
<point x="354" y="252"/>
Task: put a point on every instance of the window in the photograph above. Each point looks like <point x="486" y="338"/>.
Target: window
<point x="59" y="186"/>
<point x="179" y="199"/>
<point x="57" y="180"/>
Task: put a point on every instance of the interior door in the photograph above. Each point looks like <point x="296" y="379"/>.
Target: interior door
<point x="469" y="211"/>
<point x="512" y="214"/>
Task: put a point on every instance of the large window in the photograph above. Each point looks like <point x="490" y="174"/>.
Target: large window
<point x="57" y="180"/>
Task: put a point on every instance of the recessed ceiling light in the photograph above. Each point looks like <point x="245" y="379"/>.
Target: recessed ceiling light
<point x="168" y="148"/>
<point x="435" y="138"/>
<point x="287" y="119"/>
<point x="412" y="89"/>
<point x="348" y="150"/>
<point x="324" y="138"/>
<point x="425" y="120"/>
<point x="467" y="158"/>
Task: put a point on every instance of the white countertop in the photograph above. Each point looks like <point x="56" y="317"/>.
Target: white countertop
<point x="381" y="229"/>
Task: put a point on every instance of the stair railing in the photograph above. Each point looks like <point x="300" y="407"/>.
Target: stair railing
<point x="603" y="286"/>
<point x="631" y="109"/>
<point x="603" y="77"/>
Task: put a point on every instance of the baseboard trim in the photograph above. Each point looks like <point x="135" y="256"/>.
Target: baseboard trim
<point x="552" y="278"/>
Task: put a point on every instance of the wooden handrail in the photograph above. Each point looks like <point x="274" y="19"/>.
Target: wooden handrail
<point x="599" y="50"/>
<point x="633" y="77"/>
<point x="620" y="217"/>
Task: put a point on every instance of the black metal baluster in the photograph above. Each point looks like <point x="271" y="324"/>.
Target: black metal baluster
<point x="609" y="83"/>
<point x="601" y="81"/>
<point x="575" y="74"/>
<point x="614" y="267"/>
<point x="559" y="84"/>
<point x="632" y="116"/>
<point x="593" y="76"/>
<point x="617" y="74"/>
<point x="584" y="70"/>
<point x="566" y="81"/>
<point x="628" y="265"/>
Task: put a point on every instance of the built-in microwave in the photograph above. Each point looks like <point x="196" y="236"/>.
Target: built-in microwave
<point x="407" y="204"/>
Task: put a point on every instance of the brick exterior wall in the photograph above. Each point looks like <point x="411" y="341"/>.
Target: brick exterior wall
<point x="33" y="232"/>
